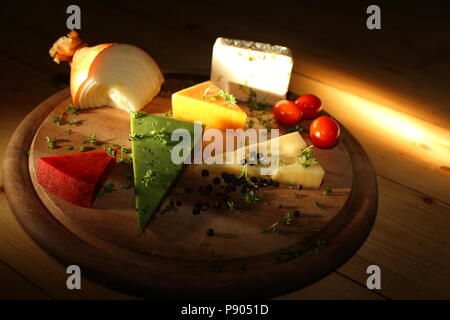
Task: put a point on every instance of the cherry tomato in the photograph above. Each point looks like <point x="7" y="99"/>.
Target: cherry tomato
<point x="324" y="132"/>
<point x="286" y="112"/>
<point x="310" y="105"/>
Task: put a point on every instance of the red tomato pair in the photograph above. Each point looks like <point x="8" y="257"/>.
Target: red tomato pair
<point x="288" y="112"/>
<point x="324" y="131"/>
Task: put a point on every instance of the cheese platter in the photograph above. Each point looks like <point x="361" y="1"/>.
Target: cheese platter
<point x="91" y="176"/>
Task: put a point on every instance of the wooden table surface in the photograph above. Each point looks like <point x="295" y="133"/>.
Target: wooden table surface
<point x="388" y="87"/>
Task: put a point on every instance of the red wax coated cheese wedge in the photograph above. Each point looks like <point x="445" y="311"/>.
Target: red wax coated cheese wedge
<point x="76" y="178"/>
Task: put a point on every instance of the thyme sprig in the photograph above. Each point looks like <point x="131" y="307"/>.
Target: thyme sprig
<point x="306" y="157"/>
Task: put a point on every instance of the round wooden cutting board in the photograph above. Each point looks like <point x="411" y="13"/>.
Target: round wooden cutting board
<point x="175" y="258"/>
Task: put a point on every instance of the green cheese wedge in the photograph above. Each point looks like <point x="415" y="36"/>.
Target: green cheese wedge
<point x="154" y="171"/>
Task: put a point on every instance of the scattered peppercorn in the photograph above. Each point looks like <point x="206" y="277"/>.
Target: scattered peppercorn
<point x="196" y="211"/>
<point x="178" y="203"/>
<point x="210" y="232"/>
<point x="205" y="173"/>
<point x="216" y="180"/>
<point x="296" y="213"/>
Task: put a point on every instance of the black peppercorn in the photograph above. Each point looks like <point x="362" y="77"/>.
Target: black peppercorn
<point x="205" y="173"/>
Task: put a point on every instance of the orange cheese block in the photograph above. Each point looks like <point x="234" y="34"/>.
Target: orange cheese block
<point x="207" y="103"/>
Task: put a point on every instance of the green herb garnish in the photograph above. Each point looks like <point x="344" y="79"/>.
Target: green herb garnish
<point x="327" y="191"/>
<point x="68" y="132"/>
<point x="285" y="220"/>
<point x="91" y="139"/>
<point x="267" y="123"/>
<point x="73" y="122"/>
<point x="135" y="137"/>
<point x="306" y="157"/>
<point x="51" y="142"/>
<point x="125" y="150"/>
<point x="250" y="123"/>
<point x="205" y="92"/>
<point x="161" y="135"/>
<point x="296" y="128"/>
<point x="272" y="229"/>
<point x="149" y="177"/>
<point x="231" y="205"/>
<point x="127" y="186"/>
<point x="83" y="148"/>
<point x="57" y="121"/>
<point x="220" y="94"/>
<point x="107" y="189"/>
<point x="251" y="197"/>
<point x="245" y="175"/>
<point x="72" y="109"/>
<point x="68" y="147"/>
<point x="111" y="150"/>
<point x="224" y="95"/>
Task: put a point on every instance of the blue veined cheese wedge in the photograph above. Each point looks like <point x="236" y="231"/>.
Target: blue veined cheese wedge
<point x="248" y="68"/>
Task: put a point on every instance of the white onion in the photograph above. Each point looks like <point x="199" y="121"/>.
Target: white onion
<point x="121" y="76"/>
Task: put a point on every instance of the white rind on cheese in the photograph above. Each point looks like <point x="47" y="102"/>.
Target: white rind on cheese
<point x="239" y="65"/>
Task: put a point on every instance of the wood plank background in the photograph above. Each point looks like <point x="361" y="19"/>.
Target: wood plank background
<point x="401" y="72"/>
